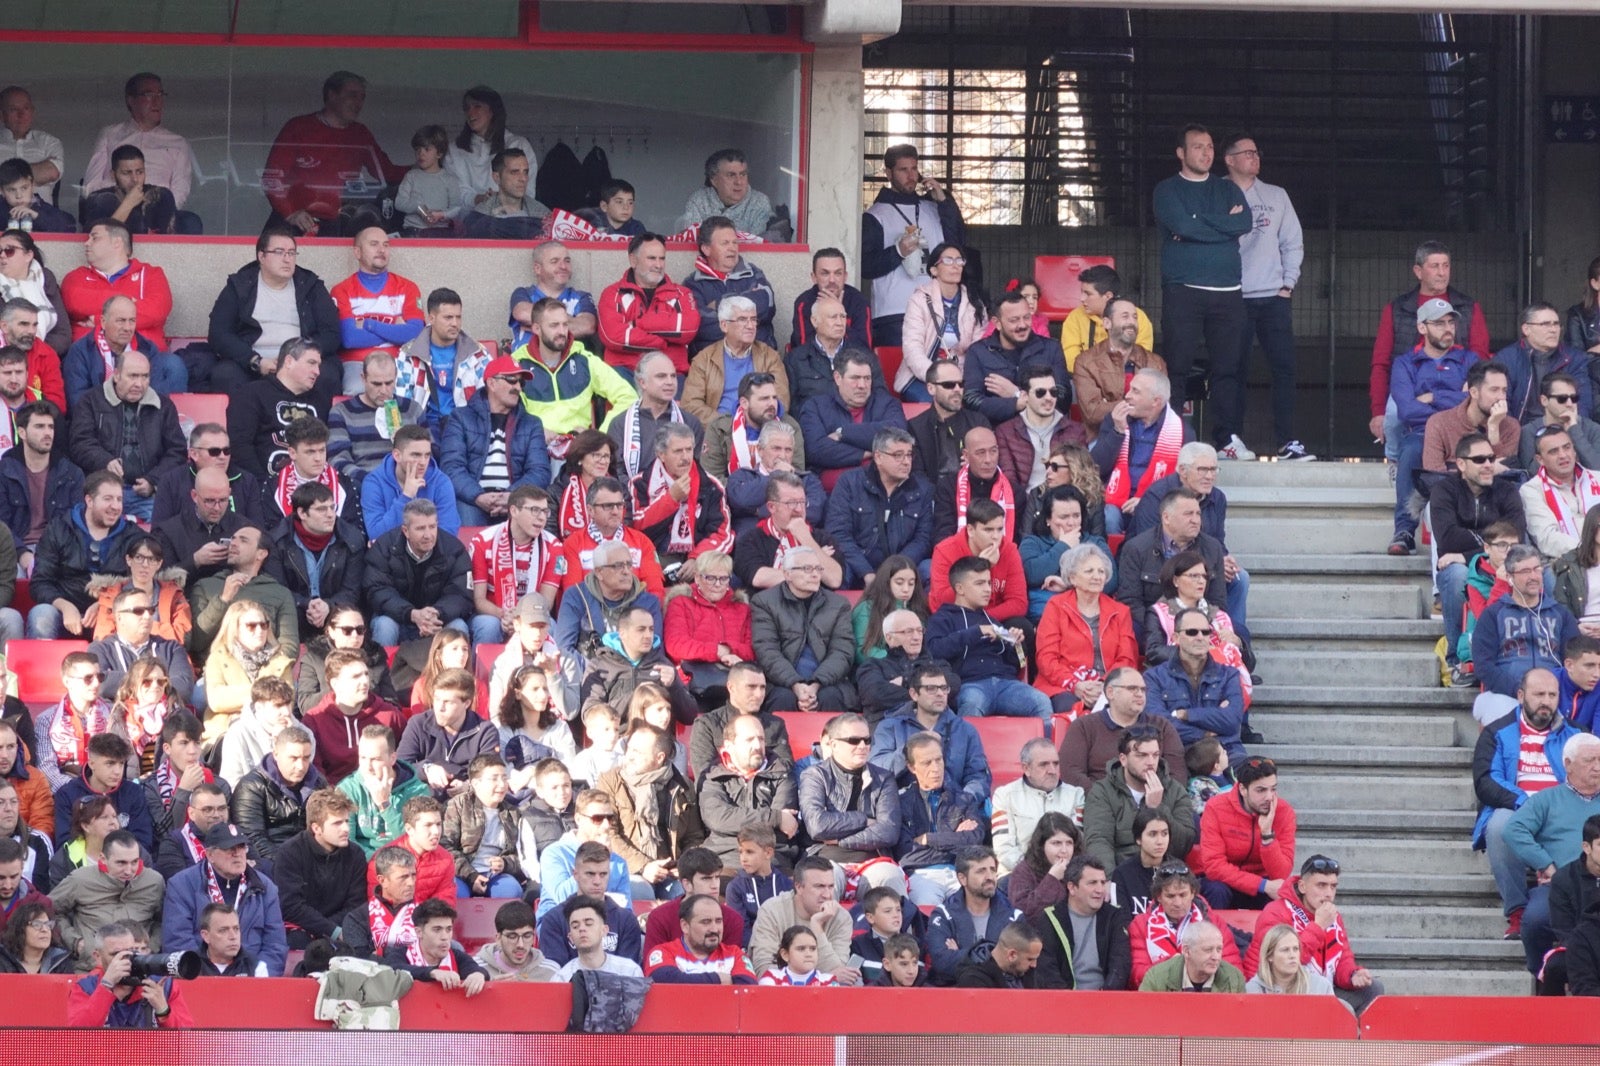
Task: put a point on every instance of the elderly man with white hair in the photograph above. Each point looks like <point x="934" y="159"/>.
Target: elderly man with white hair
<point x="1546" y="834"/>
<point x="803" y="639"/>
<point x="1019" y="804"/>
<point x="717" y="370"/>
<point x="1199" y="967"/>
<point x="633" y="430"/>
<point x="778" y="448"/>
<point x="1137" y="445"/>
<point x="1197" y="471"/>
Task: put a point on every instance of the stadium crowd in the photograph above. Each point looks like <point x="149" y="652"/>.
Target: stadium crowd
<point x="421" y="621"/>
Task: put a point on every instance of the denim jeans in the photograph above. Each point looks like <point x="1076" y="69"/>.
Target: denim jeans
<point x="1393" y="430"/>
<point x="1270" y="319"/>
<point x="1238" y="594"/>
<point x="44" y="622"/>
<point x="1003" y="696"/>
<point x="1510" y="873"/>
<point x="137" y="506"/>
<point x="501" y="886"/>
<point x="168" y="374"/>
<point x="1191" y="317"/>
<point x="487" y="629"/>
<point x="914" y="392"/>
<point x="1537" y="936"/>
<point x="1410" y="463"/>
<point x="386" y="631"/>
<point x="1452" y="585"/>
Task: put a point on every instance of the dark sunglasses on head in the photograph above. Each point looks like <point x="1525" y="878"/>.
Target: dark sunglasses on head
<point x="1172" y="869"/>
<point x="1321" y="864"/>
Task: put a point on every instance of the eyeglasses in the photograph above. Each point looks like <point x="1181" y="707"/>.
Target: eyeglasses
<point x="287" y="253"/>
<point x="945" y="384"/>
<point x="537" y="512"/>
<point x="617" y="506"/>
<point x="1563" y="397"/>
<point x="933" y="688"/>
<point x="1546" y="323"/>
<point x="854" y="742"/>
<point x="1525" y="571"/>
<point x="1321" y="864"/>
<point x="1058" y="467"/>
<point x="216" y="453"/>
<point x="716" y="579"/>
<point x="42" y="925"/>
<point x="350" y="631"/>
<point x="137" y="612"/>
<point x="615" y="566"/>
<point x="1250" y="152"/>
<point x="1502" y="545"/>
<point x="806" y="569"/>
<point x="902" y="454"/>
<point x="148" y="560"/>
<point x="525" y="937"/>
<point x="1479" y="459"/>
<point x="1195" y="632"/>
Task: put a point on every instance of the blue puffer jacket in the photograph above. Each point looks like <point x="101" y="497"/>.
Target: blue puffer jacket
<point x="1580" y="708"/>
<point x="465" y="448"/>
<point x="965" y="765"/>
<point x="1510" y="640"/>
<point x="824" y="414"/>
<point x="1522" y="399"/>
<point x="709" y="289"/>
<point x="1417" y="373"/>
<point x="951" y="921"/>
<point x="1494" y="767"/>
<point x="1215" y="706"/>
<point x="868" y="523"/>
<point x="944" y="837"/>
<point x="260" y="916"/>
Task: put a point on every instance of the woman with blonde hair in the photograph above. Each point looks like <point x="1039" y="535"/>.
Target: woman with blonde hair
<point x="451" y="650"/>
<point x="246" y="650"/>
<point x="1282" y="972"/>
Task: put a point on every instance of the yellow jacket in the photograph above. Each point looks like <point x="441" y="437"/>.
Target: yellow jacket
<point x="1080" y="332"/>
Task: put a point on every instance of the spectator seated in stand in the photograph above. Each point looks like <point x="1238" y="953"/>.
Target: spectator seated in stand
<point x="981" y="650"/>
<point x="840" y="428"/>
<point x="407" y="476"/>
<point x="967" y="925"/>
<point x="511" y="955"/>
<point x="306" y="445"/>
<point x="810" y="360"/>
<point x="415" y="580"/>
<point x="1175" y="906"/>
<point x="749" y="786"/>
<point x="481" y="829"/>
<point x="644" y="311"/>
<point x="635" y="426"/>
<point x="25" y="205"/>
<point x="742" y="452"/>
<point x="361" y="427"/>
<point x="1137" y="780"/>
<point x="1019" y="805"/>
<point x="583" y="860"/>
<point x="1561" y="397"/>
<point x="320" y="874"/>
<point x="712" y="387"/>
<point x="1426" y="379"/>
<point x="992" y="372"/>
<point x="1247" y="837"/>
<point x="209" y="447"/>
<point x="378" y="310"/>
<point x="112" y="271"/>
<point x="105" y="773"/>
<point x="492" y="445"/>
<point x="434" y="957"/>
<point x="708" y="631"/>
<point x="810" y="904"/>
<point x="937" y="818"/>
<point x="1199" y="692"/>
<point x="699" y="872"/>
<point x="1306" y="907"/>
<point x="552" y="280"/>
<point x="124" y="427"/>
<point x="509" y="214"/>
<point x="727" y="194"/>
<point x="141" y="207"/>
<point x="928" y="686"/>
<point x="1084" y="635"/>
<point x="1117" y="343"/>
<point x="657" y="816"/>
<point x="423" y="827"/>
<point x="1085" y="935"/>
<point x="851" y="808"/>
<point x="1027" y="441"/>
<point x="260" y="413"/>
<point x="803" y="640"/>
<point x="943" y="319"/>
<point x="226" y="872"/>
<point x="37" y="481"/>
<point x="675" y="503"/>
<point x="1525" y="629"/>
<point x="63" y="731"/>
<point x="983" y="533"/>
<point x="1143" y="557"/>
<point x="340" y="719"/>
<point x="269" y="803"/>
<point x="887" y="486"/>
<point x="700" y="955"/>
<point x="1201" y="967"/>
<point x="830" y="274"/>
<point x="248" y="738"/>
<point x="386" y="917"/>
<point x="605" y="503"/>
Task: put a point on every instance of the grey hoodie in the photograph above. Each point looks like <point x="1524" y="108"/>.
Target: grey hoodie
<point x="1272" y="251"/>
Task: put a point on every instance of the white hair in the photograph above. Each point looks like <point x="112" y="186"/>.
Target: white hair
<point x="649" y="357"/>
<point x="895" y="616"/>
<point x="1194" y="931"/>
<point x="772" y="430"/>
<point x="1159" y="384"/>
<point x="792" y="557"/>
<point x="732" y="305"/>
<point x="1577" y="745"/>
<point x="1193" y="452"/>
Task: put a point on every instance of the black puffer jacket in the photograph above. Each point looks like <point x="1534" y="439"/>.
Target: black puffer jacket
<point x="269" y="811"/>
<point x="342" y="567"/>
<point x="396" y="584"/>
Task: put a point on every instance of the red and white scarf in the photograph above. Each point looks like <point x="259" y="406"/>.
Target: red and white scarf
<point x="415" y="957"/>
<point x="1335" y="941"/>
<point x="1162" y="939"/>
<point x="681" y="539"/>
<point x="573" y="514"/>
<point x="785" y="539"/>
<point x="146" y="720"/>
<point x="743" y="455"/>
<point x="213" y="886"/>
<point x="197" y="850"/>
<point x="632" y="445"/>
<point x="1002" y="494"/>
<point x="386" y="930"/>
<point x="289" y="479"/>
<point x="70" y="735"/>
<point x="1169" y="441"/>
<point x="515" y="571"/>
<point x="1585" y="485"/>
<point x="107" y="356"/>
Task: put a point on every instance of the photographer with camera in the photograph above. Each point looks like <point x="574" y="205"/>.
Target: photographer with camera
<point x="121" y="992"/>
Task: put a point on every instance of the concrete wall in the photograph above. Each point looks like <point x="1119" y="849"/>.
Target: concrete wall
<point x="483" y="273"/>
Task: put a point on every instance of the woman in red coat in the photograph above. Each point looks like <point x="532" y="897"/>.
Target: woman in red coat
<point x="1083" y="634"/>
<point x="708" y="628"/>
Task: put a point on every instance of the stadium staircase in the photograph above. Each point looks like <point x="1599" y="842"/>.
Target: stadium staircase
<point x="1375" y="756"/>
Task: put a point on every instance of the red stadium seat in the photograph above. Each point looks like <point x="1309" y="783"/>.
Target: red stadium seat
<point x="475" y="921"/>
<point x="37" y="664"/>
<point x="1057" y="277"/>
<point x="197" y="407"/>
<point x="1245" y="921"/>
<point x="853" y="595"/>
<point x="485" y="655"/>
<point x="1063" y="722"/>
<point x="492" y="347"/>
<point x="467" y="533"/>
<point x="889" y="358"/>
<point x="1002" y="740"/>
<point x="912" y="410"/>
<point x="22" y="598"/>
<point x="804" y="729"/>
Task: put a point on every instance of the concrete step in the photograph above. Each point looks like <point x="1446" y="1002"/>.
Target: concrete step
<point x="1286" y="596"/>
<point x="1373" y="563"/>
<point x="1363" y="888"/>
<point x="1467" y="953"/>
<point x="1381" y="669"/>
<point x="1409" y="981"/>
<point x="1350" y="699"/>
<point x="1315" y="531"/>
<point x="1365" y="759"/>
<point x="1309" y="476"/>
<point x="1423" y="730"/>
<point x="1386" y="631"/>
<point x="1386" y="921"/>
<point x="1256" y="499"/>
<point x="1360" y="792"/>
<point x="1449" y="824"/>
<point x="1396" y="856"/>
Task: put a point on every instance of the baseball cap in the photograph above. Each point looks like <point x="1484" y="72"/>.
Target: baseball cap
<point x="224" y="837"/>
<point x="1430" y="311"/>
<point x="532" y="608"/>
<point x="507" y="365"/>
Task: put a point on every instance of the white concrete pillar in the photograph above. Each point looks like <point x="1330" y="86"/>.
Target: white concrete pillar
<point x="833" y="197"/>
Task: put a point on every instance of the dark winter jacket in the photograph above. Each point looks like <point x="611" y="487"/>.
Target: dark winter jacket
<point x="951" y="921"/>
<point x="729" y="802"/>
<point x="989" y="356"/>
<point x="96" y="435"/>
<point x="1459" y="517"/>
<point x="868" y="523"/>
<point x="825" y="414"/>
<point x="1139" y="566"/>
<point x="260" y="916"/>
<point x="840" y="830"/>
<point x="465" y="448"/>
<point x="270" y="811"/>
<point x="1111" y="942"/>
<point x="784" y="627"/>
<point x="344" y="564"/>
<point x="234" y="330"/>
<point x="396" y="584"/>
<point x="63" y="489"/>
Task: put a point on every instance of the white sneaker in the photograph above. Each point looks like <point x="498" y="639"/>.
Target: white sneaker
<point x="1294" y="452"/>
<point x="1236" y="449"/>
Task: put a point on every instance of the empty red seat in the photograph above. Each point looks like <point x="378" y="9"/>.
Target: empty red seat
<point x="197" y="407"/>
<point x="485" y="655"/>
<point x="1002" y="740"/>
<point x="853" y="595"/>
<point x="467" y="534"/>
<point x="805" y="729"/>
<point x="1057" y="277"/>
<point x="912" y="410"/>
<point x="37" y="664"/>
<point x="475" y="921"/>
<point x="889" y="358"/>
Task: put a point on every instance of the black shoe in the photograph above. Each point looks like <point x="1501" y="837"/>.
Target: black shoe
<point x="1250" y="736"/>
<point x="1402" y="544"/>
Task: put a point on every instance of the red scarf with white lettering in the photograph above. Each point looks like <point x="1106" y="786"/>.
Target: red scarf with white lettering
<point x="573" y="514"/>
<point x="785" y="539"/>
<point x="510" y="582"/>
<point x="1585" y="485"/>
<point x="69" y="734"/>
<point x="386" y="930"/>
<point x="107" y="356"/>
<point x="289" y="479"/>
<point x="1002" y="493"/>
<point x="197" y="850"/>
<point x="743" y="454"/>
<point x="213" y="888"/>
<point x="681" y="539"/>
<point x="1162" y="939"/>
<point x="1169" y="440"/>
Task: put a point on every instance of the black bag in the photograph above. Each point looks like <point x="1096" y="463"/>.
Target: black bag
<point x="606" y="1002"/>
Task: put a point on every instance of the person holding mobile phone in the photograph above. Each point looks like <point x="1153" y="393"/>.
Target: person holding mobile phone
<point x="913" y="213"/>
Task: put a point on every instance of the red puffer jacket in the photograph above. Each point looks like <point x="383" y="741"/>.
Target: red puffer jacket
<point x="695" y="626"/>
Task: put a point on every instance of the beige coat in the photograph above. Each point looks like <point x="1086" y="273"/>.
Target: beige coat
<point x="702" y="390"/>
<point x="776" y="915"/>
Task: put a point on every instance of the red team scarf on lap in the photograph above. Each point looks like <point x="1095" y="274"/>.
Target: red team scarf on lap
<point x="1003" y="495"/>
<point x="1585" y="485"/>
<point x="682" y="536"/>
<point x="1169" y="440"/>
<point x="743" y="455"/>
<point x="289" y="480"/>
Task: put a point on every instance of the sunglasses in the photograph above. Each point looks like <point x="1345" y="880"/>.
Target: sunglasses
<point x="945" y="384"/>
<point x="1321" y="864"/>
<point x="137" y="612"/>
<point x="854" y="742"/>
<point x="1565" y="397"/>
<point x="1172" y="869"/>
<point x="1040" y="394"/>
<point x="253" y="625"/>
<point x="216" y="453"/>
<point x="1195" y="632"/>
<point x="350" y="631"/>
<point x="8" y="252"/>
<point x="96" y="676"/>
<point x="1479" y="459"/>
<point x="597" y="819"/>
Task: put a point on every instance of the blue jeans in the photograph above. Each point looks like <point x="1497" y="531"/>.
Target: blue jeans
<point x="1452" y="585"/>
<point x="44" y="623"/>
<point x="1392" y="431"/>
<point x="1270" y="319"/>
<point x="1001" y="696"/>
<point x="137" y="506"/>
<point x="1116" y="521"/>
<point x="1537" y="936"/>
<point x="915" y="392"/>
<point x="1238" y="592"/>
<point x="471" y="514"/>
<point x="168" y="374"/>
<point x="501" y="886"/>
<point x="1410" y="463"/>
<point x="386" y="631"/>
<point x="486" y="629"/>
<point x="1510" y="873"/>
